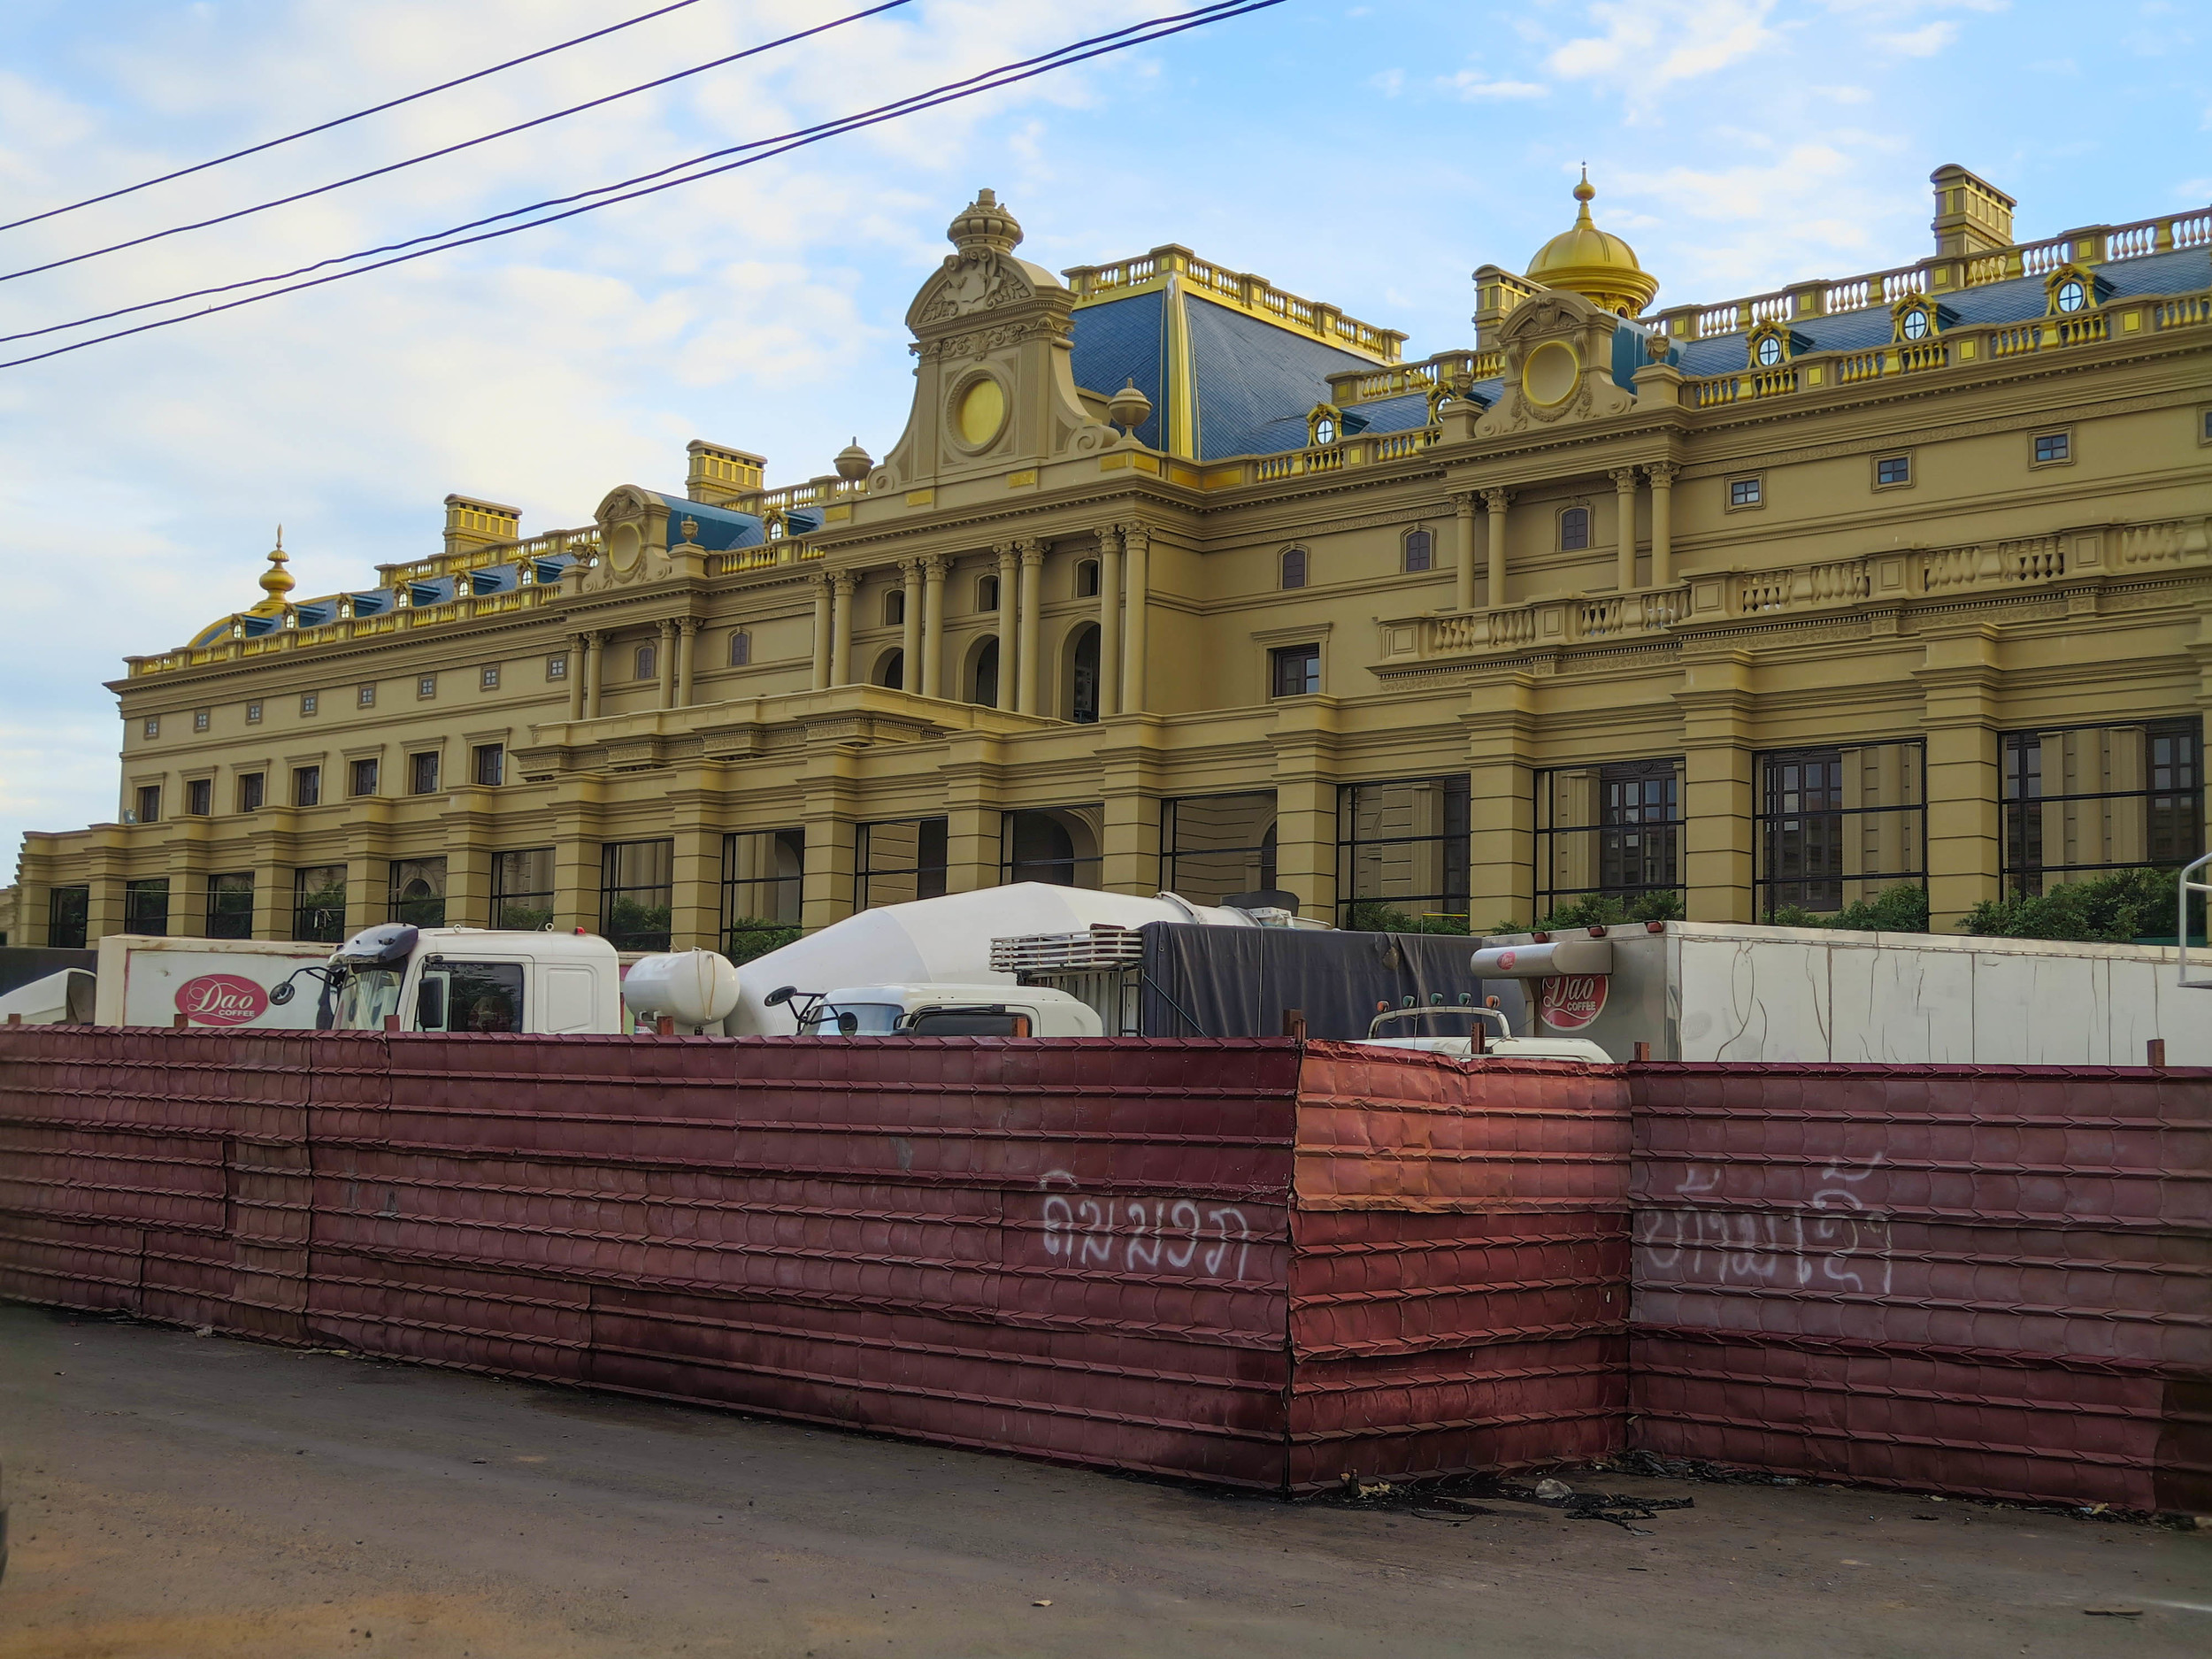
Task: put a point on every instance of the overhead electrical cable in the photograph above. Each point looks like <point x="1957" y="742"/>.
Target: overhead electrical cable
<point x="374" y="109"/>
<point x="466" y="143"/>
<point x="991" y="80"/>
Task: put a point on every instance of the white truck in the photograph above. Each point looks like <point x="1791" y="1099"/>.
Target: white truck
<point x="937" y="1010"/>
<point x="141" y="979"/>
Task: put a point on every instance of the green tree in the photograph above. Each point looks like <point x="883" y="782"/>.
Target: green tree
<point x="2115" y="908"/>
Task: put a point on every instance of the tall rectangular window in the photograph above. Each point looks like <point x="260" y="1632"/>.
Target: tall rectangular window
<point x="318" y="903"/>
<point x="252" y="785"/>
<point x="522" y="888"/>
<point x="149" y="804"/>
<point x="199" y="796"/>
<point x="489" y="762"/>
<point x="68" y="917"/>
<point x="762" y="883"/>
<point x="146" y="907"/>
<point x="1059" y="845"/>
<point x="2081" y="800"/>
<point x="1833" y="826"/>
<point x="1614" y="830"/>
<point x="364" y="777"/>
<point x="307" y="786"/>
<point x="417" y="892"/>
<point x="1401" y="850"/>
<point x="637" y="894"/>
<point x="422" y="772"/>
<point x="898" y="861"/>
<point x="1215" y="845"/>
<point x="230" y="905"/>
<point x="1295" y="671"/>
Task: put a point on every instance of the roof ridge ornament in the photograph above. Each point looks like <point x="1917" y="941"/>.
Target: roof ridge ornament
<point x="276" y="581"/>
<point x="984" y="223"/>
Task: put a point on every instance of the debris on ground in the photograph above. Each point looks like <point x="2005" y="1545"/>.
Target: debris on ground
<point x="1457" y="1499"/>
<point x="2114" y="1612"/>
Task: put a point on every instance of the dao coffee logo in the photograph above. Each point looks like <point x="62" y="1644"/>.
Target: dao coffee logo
<point x="221" y="999"/>
<point x="1571" y="1001"/>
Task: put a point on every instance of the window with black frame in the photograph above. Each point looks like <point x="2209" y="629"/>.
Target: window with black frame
<point x="1401" y="851"/>
<point x="68" y="918"/>
<point x="318" y="903"/>
<point x="1058" y="845"/>
<point x="522" y="889"/>
<point x="2079" y="801"/>
<point x="1215" y="845"/>
<point x="230" y="905"/>
<point x="763" y="884"/>
<point x="1612" y="830"/>
<point x="417" y="891"/>
<point x="1833" y="826"/>
<point x="899" y="861"/>
<point x="637" y="894"/>
<point x="146" y="907"/>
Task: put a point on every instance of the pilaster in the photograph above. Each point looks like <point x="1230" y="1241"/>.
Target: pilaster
<point x="972" y="831"/>
<point x="1718" y="706"/>
<point x="1500" y="723"/>
<point x="1960" y="681"/>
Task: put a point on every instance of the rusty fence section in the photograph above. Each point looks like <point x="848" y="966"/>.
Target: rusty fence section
<point x="1979" y="1280"/>
<point x="1253" y="1262"/>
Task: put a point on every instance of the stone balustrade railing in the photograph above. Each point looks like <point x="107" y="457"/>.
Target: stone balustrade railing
<point x="1256" y="293"/>
<point x="1559" y="620"/>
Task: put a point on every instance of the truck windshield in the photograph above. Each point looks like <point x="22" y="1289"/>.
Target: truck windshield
<point x="869" y="1019"/>
<point x="364" y="996"/>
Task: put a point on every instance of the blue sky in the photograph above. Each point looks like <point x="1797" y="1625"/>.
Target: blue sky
<point x="1368" y="155"/>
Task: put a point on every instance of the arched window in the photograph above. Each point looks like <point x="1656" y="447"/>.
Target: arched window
<point x="895" y="607"/>
<point x="1086" y="579"/>
<point x="987" y="593"/>
<point x="1574" y="528"/>
<point x="647" y="663"/>
<point x="892" y="670"/>
<point x="1420" y="551"/>
<point x="1083" y="679"/>
<point x="1294" y="567"/>
<point x="984" y="690"/>
<point x="740" y="648"/>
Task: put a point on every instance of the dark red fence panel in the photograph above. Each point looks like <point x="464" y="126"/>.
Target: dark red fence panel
<point x="1988" y="1279"/>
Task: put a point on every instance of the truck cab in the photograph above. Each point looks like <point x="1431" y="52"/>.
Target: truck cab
<point x="938" y="1011"/>
<point x="475" y="980"/>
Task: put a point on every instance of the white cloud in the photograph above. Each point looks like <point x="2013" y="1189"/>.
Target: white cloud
<point x="1921" y="42"/>
<point x="1389" y="83"/>
<point x="1471" y="84"/>
<point x="1655" y="42"/>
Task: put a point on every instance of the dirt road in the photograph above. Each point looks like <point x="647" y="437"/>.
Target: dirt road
<point x="176" y="1495"/>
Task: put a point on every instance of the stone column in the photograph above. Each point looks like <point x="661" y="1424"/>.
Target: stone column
<point x="1662" y="476"/>
<point x="1009" y="621"/>
<point x="1032" y="558"/>
<point x="687" y="644"/>
<point x="594" y="672"/>
<point x="1502" y="806"/>
<point x="1963" y="684"/>
<point x="1496" y="501"/>
<point x="1464" y="576"/>
<point x="1718" y="738"/>
<point x="1109" y="622"/>
<point x="576" y="648"/>
<point x="1625" y="536"/>
<point x="911" y="624"/>
<point x="665" y="659"/>
<point x="1138" y="541"/>
<point x="969" y="780"/>
<point x="842" y="586"/>
<point x="934" y="570"/>
<point x="820" y="582"/>
<point x="695" y="921"/>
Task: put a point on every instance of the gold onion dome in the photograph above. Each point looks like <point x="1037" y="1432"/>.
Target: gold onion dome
<point x="983" y="223"/>
<point x="276" y="581"/>
<point x="1587" y="261"/>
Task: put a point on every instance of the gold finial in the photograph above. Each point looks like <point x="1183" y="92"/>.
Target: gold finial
<point x="1584" y="193"/>
<point x="276" y="581"/>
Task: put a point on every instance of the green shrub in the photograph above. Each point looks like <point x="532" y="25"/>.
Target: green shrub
<point x="1372" y="916"/>
<point x="747" y="938"/>
<point x="1902" y="908"/>
<point x="2115" y="908"/>
<point x="1598" y="909"/>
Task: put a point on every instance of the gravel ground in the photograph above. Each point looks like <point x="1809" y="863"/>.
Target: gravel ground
<point x="176" y="1495"/>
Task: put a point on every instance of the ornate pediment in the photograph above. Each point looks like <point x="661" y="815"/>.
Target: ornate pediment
<point x="1558" y="350"/>
<point x="633" y="543"/>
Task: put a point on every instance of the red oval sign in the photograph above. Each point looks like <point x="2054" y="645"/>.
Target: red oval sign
<point x="221" y="999"/>
<point x="1571" y="1001"/>
<point x="1506" y="959"/>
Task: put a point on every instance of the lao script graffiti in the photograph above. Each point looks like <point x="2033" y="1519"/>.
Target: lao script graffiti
<point x="1180" y="1234"/>
<point x="1835" y="1242"/>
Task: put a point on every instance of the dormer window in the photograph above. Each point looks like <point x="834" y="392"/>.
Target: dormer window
<point x="2070" y="290"/>
<point x="2070" y="296"/>
<point x="1769" y="352"/>
<point x="1914" y="325"/>
<point x="1916" y="320"/>
<point x="1323" y="431"/>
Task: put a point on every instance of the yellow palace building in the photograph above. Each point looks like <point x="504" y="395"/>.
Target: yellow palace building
<point x="1176" y="580"/>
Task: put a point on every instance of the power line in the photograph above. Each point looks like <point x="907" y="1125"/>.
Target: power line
<point x="466" y="143"/>
<point x="987" y="81"/>
<point x="374" y="109"/>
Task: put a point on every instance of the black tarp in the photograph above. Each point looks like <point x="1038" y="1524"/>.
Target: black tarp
<point x="20" y="964"/>
<point x="1237" y="981"/>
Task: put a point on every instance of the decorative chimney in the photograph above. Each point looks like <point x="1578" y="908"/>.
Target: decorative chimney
<point x="1972" y="216"/>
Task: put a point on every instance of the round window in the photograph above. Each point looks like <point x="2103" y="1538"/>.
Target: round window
<point x="981" y="411"/>
<point x="1549" y="375"/>
<point x="1916" y="325"/>
<point x="2071" y="296"/>
<point x="1324" y="430"/>
<point x="1769" y="352"/>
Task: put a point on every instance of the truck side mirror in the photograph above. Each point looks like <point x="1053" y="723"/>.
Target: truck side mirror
<point x="781" y="995"/>
<point x="281" y="993"/>
<point x="430" y="1004"/>
<point x="848" y="1023"/>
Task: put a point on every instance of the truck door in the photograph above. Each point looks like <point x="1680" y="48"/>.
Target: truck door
<point x="569" y="998"/>
<point x="470" y="997"/>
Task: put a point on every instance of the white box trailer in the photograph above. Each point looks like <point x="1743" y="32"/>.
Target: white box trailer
<point x="213" y="983"/>
<point x="1725" y="991"/>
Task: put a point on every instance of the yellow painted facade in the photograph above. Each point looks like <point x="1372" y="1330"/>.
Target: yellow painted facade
<point x="1780" y="601"/>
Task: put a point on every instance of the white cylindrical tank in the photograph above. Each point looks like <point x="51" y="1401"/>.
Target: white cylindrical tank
<point x="692" y="987"/>
<point x="947" y="940"/>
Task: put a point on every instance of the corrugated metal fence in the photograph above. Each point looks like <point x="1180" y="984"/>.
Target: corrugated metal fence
<point x="1255" y="1262"/>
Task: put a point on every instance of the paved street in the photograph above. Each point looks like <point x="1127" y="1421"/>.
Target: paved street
<point x="176" y="1495"/>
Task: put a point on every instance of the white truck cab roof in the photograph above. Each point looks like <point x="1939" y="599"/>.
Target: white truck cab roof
<point x="876" y="1010"/>
<point x="1499" y="1047"/>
